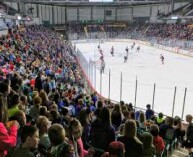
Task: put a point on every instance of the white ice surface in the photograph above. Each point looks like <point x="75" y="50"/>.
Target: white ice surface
<point x="147" y="68"/>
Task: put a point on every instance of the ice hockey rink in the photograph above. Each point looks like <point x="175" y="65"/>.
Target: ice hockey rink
<point x="146" y="67"/>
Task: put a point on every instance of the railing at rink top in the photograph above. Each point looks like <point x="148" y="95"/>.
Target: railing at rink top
<point x="117" y="86"/>
<point x="181" y="44"/>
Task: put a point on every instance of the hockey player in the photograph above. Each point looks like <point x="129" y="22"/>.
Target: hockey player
<point x="112" y="51"/>
<point x="99" y="46"/>
<point x="162" y="58"/>
<point x="127" y="50"/>
<point x="102" y="66"/>
<point x="132" y="46"/>
<point x="125" y="58"/>
<point x="101" y="57"/>
<point x="101" y="51"/>
<point x="138" y="49"/>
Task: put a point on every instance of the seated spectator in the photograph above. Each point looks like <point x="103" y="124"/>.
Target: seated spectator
<point x="20" y="117"/>
<point x="34" y="111"/>
<point x="45" y="101"/>
<point x="142" y="121"/>
<point x="132" y="116"/>
<point x="125" y="116"/>
<point x="157" y="140"/>
<point x="60" y="146"/>
<point x="15" y="102"/>
<point x="55" y="117"/>
<point x="133" y="146"/>
<point x="8" y="137"/>
<point x="115" y="149"/>
<point x="159" y="120"/>
<point x="43" y="125"/>
<point x="43" y="111"/>
<point x="23" y="103"/>
<point x="29" y="141"/>
<point x="75" y="133"/>
<point x="65" y="116"/>
<point x="148" y="147"/>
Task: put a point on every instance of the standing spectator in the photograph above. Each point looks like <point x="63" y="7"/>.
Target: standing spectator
<point x="43" y="125"/>
<point x="149" y="112"/>
<point x="102" y="128"/>
<point x="116" y="116"/>
<point x="189" y="134"/>
<point x="167" y="131"/>
<point x="8" y="137"/>
<point x="39" y="82"/>
<point x="180" y="132"/>
<point x="133" y="146"/>
<point x="85" y="119"/>
<point x="34" y="111"/>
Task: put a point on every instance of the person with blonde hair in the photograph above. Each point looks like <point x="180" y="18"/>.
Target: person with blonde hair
<point x="34" y="111"/>
<point x="45" y="101"/>
<point x="133" y="146"/>
<point x="142" y="121"/>
<point x="43" y="125"/>
<point x="75" y="134"/>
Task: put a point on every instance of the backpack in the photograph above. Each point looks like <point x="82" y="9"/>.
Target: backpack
<point x="169" y="134"/>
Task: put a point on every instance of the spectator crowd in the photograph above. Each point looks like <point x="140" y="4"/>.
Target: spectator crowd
<point x="182" y="31"/>
<point x="46" y="110"/>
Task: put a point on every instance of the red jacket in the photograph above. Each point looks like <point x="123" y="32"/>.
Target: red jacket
<point x="8" y="139"/>
<point x="159" y="144"/>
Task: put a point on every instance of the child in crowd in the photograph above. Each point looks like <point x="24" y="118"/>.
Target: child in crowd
<point x="29" y="142"/>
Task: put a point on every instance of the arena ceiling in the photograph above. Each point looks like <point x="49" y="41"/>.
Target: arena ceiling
<point x="87" y="3"/>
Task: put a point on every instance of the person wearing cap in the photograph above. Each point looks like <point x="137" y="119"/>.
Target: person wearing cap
<point x="149" y="112"/>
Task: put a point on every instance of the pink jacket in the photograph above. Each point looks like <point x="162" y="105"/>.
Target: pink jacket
<point x="8" y="139"/>
<point x="82" y="151"/>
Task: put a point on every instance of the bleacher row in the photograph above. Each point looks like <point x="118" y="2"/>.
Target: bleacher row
<point x="159" y="30"/>
<point x="46" y="110"/>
